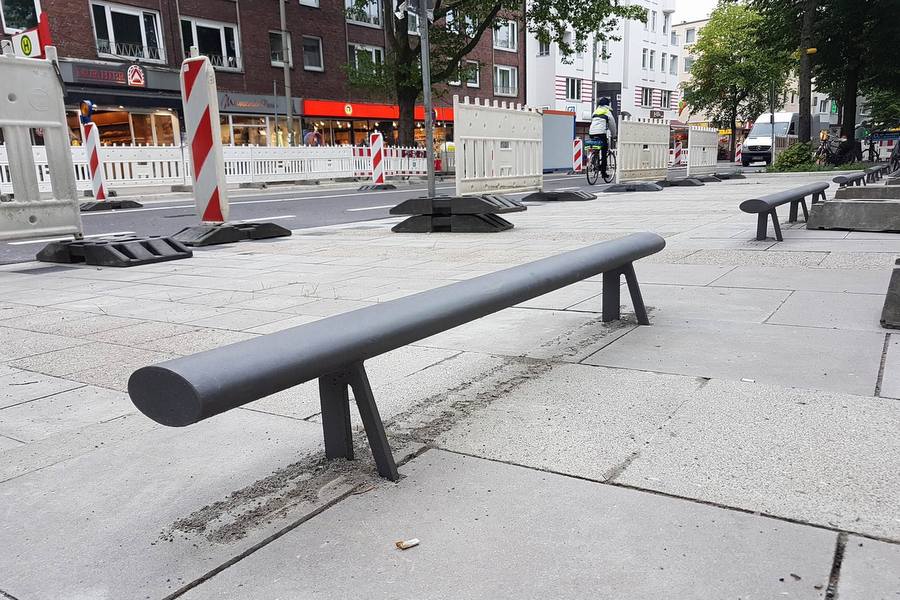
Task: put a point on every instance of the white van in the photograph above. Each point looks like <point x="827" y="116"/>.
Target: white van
<point x="758" y="145"/>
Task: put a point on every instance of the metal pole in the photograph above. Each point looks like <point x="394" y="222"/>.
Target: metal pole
<point x="426" y="89"/>
<point x="286" y="60"/>
<point x="772" y="118"/>
<point x="594" y="78"/>
<point x="275" y="96"/>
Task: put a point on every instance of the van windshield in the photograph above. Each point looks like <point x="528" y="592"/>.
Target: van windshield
<point x="761" y="129"/>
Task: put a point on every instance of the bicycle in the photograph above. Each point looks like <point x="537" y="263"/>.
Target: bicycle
<point x="593" y="166"/>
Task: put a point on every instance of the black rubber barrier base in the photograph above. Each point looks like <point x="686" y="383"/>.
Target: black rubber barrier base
<point x="116" y="251"/>
<point x="453" y="224"/>
<point x="683" y="182"/>
<point x="577" y="196"/>
<point x="377" y="187"/>
<point x="709" y="179"/>
<point x="730" y="175"/>
<point x="634" y="186"/>
<point x="456" y="214"/>
<point x="110" y="205"/>
<point x="228" y="233"/>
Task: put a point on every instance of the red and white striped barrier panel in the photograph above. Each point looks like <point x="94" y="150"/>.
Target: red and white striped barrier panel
<point x="739" y="154"/>
<point x="94" y="161"/>
<point x="679" y="155"/>
<point x="201" y="114"/>
<point x="376" y="142"/>
<point x="578" y="155"/>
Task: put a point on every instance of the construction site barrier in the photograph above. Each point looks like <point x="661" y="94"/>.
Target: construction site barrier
<point x="703" y="149"/>
<point x="643" y="150"/>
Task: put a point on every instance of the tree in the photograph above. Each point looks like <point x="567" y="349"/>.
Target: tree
<point x="884" y="109"/>
<point x="733" y="72"/>
<point x="458" y="27"/>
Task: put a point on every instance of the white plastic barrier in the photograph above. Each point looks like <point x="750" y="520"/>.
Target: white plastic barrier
<point x="643" y="152"/>
<point x="703" y="149"/>
<point x="498" y="148"/>
<point x="32" y="98"/>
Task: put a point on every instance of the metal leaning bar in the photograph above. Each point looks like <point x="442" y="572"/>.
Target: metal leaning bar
<point x="851" y="179"/>
<point x="190" y="389"/>
<point x="764" y="206"/>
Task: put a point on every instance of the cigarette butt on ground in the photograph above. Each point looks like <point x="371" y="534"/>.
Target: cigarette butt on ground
<point x="407" y="544"/>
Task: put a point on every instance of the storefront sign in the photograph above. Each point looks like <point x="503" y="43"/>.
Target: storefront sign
<point x="136" y="76"/>
<point x="119" y="75"/>
<point x="254" y="104"/>
<point x="358" y="110"/>
<point x="656" y="114"/>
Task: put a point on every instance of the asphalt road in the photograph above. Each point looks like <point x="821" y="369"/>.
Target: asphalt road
<point x="293" y="209"/>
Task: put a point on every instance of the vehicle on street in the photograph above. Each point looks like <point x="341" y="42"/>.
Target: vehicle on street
<point x="758" y="145"/>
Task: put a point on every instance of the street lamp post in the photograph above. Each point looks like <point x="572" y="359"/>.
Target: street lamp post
<point x="286" y="61"/>
<point x="422" y="11"/>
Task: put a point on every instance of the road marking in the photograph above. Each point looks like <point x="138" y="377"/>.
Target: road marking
<point x="277" y="218"/>
<point x="68" y="238"/>
<point x="371" y="208"/>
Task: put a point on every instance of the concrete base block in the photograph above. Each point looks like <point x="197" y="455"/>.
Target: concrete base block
<point x="890" y="314"/>
<point x="892" y="181"/>
<point x="182" y="188"/>
<point x="875" y="192"/>
<point x="253" y="186"/>
<point x="855" y="215"/>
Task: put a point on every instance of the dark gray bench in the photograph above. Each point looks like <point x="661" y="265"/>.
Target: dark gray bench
<point x="187" y="390"/>
<point x="764" y="206"/>
<point x="874" y="174"/>
<point x="853" y="179"/>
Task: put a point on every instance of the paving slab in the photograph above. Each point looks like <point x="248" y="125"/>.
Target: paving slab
<point x="890" y="377"/>
<point x="576" y="419"/>
<point x="676" y="303"/>
<point x="750" y="257"/>
<point x="831" y="310"/>
<point x="824" y="458"/>
<point x="784" y="355"/>
<point x="870" y="571"/>
<point x="563" y="298"/>
<point x="670" y="274"/>
<point x="487" y="529"/>
<point x="141" y="517"/>
<point x="18" y="344"/>
<point x="18" y="386"/>
<point x="38" y="419"/>
<point x="808" y="279"/>
<point x="8" y="443"/>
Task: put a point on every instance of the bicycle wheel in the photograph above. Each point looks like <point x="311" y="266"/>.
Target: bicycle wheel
<point x="593" y="169"/>
<point x="610" y="168"/>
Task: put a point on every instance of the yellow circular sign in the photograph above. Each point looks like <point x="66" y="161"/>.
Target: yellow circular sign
<point x="26" y="45"/>
<point x="348" y="109"/>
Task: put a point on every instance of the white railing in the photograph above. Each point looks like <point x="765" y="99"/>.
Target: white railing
<point x="703" y="151"/>
<point x="643" y="152"/>
<point x="136" y="166"/>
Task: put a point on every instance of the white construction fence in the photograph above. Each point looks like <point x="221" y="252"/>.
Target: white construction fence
<point x="32" y="98"/>
<point x="499" y="148"/>
<point x="643" y="151"/>
<point x="136" y="166"/>
<point x="703" y="149"/>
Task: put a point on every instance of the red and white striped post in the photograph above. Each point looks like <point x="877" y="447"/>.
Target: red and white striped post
<point x="679" y="154"/>
<point x="578" y="155"/>
<point x="739" y="154"/>
<point x="201" y="115"/>
<point x="376" y="142"/>
<point x="94" y="161"/>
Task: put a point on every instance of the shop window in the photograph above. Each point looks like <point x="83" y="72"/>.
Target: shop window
<point x="365" y="57"/>
<point x="506" y="81"/>
<point x="506" y="36"/>
<point x="126" y="32"/>
<point x="19" y="14"/>
<point x="277" y="49"/>
<point x="312" y="54"/>
<point x="250" y="131"/>
<point x="217" y="41"/>
<point x="367" y="14"/>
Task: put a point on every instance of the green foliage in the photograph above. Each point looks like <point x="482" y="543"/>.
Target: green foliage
<point x="794" y="157"/>
<point x="884" y="108"/>
<point x="733" y="72"/>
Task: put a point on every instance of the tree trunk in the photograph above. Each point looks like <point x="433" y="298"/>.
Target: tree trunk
<point x="804" y="131"/>
<point x="851" y="89"/>
<point x="733" y="150"/>
<point x="406" y="130"/>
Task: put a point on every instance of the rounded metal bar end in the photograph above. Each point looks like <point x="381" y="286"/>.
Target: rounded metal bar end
<point x="165" y="396"/>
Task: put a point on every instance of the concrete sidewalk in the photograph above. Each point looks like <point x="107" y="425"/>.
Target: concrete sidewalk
<point x="743" y="446"/>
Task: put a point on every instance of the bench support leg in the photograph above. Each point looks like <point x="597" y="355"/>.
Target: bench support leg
<point x="335" y="402"/>
<point x="776" y="225"/>
<point x="762" y="223"/>
<point x="640" y="311"/>
<point x="805" y="210"/>
<point x="612" y="295"/>
<point x="792" y="215"/>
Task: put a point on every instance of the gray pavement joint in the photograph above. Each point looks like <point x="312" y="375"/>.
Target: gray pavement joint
<point x="831" y="592"/>
<point x="884" y="353"/>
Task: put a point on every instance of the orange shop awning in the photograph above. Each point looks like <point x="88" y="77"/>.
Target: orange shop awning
<point x="365" y="110"/>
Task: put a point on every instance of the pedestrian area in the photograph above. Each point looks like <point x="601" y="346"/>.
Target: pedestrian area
<point x="743" y="446"/>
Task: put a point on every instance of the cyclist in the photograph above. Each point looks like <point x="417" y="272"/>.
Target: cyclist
<point x="603" y="130"/>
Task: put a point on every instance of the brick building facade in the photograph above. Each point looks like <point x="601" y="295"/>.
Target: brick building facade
<point x="125" y="55"/>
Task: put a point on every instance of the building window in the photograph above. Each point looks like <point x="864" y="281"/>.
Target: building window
<point x="573" y="89"/>
<point x="662" y="62"/>
<point x="313" y="3"/>
<point x="474" y="69"/>
<point x="667" y="19"/>
<point x="644" y="54"/>
<point x="688" y="63"/>
<point x="506" y="81"/>
<point x="690" y="36"/>
<point x="506" y="36"/>
<point x="673" y="65"/>
<point x="312" y="54"/>
<point x="666" y="101"/>
<point x="365" y="57"/>
<point x="604" y="51"/>
<point x="19" y="14"/>
<point x="369" y="14"/>
<point x="652" y="59"/>
<point x="217" y="41"/>
<point x="277" y="49"/>
<point x="674" y="40"/>
<point x="646" y="97"/>
<point x="823" y="106"/>
<point x="543" y="48"/>
<point x="653" y="21"/>
<point x="126" y="32"/>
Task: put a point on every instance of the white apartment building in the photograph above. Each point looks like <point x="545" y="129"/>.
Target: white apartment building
<point x="639" y="75"/>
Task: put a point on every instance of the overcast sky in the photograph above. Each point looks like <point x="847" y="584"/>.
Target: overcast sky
<point x="692" y="10"/>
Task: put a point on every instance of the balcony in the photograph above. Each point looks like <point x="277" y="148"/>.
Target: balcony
<point x="128" y="50"/>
